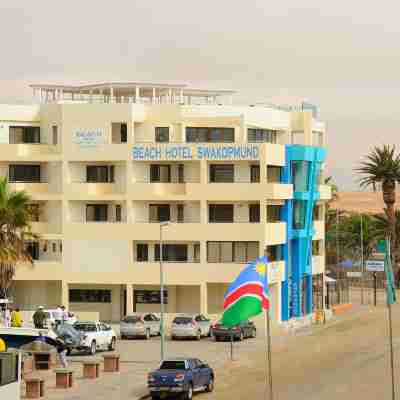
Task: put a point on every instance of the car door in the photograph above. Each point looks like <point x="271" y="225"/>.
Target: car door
<point x="156" y="324"/>
<point x="147" y="319"/>
<point x="203" y="372"/>
<point x="103" y="336"/>
<point x="196" y="371"/>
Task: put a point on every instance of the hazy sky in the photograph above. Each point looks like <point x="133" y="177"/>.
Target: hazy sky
<point x="342" y="55"/>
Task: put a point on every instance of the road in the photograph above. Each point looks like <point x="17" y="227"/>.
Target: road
<point x="345" y="359"/>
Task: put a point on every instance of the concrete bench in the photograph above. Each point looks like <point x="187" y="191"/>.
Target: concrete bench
<point x="34" y="388"/>
<point x="91" y="369"/>
<point x="64" y="378"/>
<point x="111" y="363"/>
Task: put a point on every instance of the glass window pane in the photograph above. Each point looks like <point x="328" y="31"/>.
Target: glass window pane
<point x="213" y="253"/>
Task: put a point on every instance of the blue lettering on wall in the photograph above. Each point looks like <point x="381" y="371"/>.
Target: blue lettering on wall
<point x="201" y="152"/>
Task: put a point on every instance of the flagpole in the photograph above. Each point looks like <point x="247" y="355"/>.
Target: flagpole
<point x="268" y="360"/>
<point x="390" y="325"/>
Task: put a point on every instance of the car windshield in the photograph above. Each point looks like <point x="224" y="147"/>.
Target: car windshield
<point x="85" y="327"/>
<point x="173" y="365"/>
<point x="182" y="320"/>
<point x="132" y="319"/>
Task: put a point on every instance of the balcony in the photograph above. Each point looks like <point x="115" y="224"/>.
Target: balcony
<point x="33" y="151"/>
<point x="46" y="229"/>
<point x="82" y="190"/>
<point x="40" y="187"/>
<point x="325" y="192"/>
<point x="319" y="227"/>
<point x="279" y="191"/>
<point x="275" y="233"/>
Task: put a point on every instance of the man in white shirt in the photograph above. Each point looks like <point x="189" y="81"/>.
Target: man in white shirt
<point x="58" y="315"/>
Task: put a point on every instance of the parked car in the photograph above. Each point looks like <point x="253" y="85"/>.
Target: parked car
<point x="190" y="326"/>
<point x="180" y="376"/>
<point x="50" y="318"/>
<point x="140" y="325"/>
<point x="246" y="329"/>
<point x="96" y="336"/>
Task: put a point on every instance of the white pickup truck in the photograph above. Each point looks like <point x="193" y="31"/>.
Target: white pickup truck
<point x="96" y="336"/>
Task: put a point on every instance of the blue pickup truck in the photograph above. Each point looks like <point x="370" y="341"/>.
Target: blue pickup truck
<point x="180" y="376"/>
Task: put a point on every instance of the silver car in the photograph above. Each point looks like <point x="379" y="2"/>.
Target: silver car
<point x="140" y="325"/>
<point x="190" y="326"/>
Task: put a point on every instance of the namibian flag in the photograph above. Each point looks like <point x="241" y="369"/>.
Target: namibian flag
<point x="248" y="295"/>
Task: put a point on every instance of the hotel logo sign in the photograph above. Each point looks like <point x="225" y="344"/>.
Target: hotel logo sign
<point x="198" y="152"/>
<point x="88" y="138"/>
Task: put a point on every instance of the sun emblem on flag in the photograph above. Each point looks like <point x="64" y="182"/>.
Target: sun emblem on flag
<point x="261" y="268"/>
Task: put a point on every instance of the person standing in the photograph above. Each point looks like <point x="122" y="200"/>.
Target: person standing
<point x="39" y="318"/>
<point x="16" y="318"/>
<point x="65" y="314"/>
<point x="58" y="316"/>
<point x="62" y="350"/>
<point x="7" y="317"/>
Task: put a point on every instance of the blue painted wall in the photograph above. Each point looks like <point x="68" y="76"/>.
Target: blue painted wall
<point x="302" y="169"/>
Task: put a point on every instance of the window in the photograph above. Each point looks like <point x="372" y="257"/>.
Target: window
<point x="54" y="132"/>
<point x="96" y="212"/>
<point x="119" y="132"/>
<point x="299" y="214"/>
<point x="180" y="210"/>
<point x="261" y="136"/>
<point x="24" y="173"/>
<point x="34" y="212"/>
<point x="150" y="296"/>
<point x="317" y="248"/>
<point x="220" y="213"/>
<point x="300" y="175"/>
<point x="181" y="173"/>
<point x="317" y="138"/>
<point x="207" y="135"/>
<point x="254" y="212"/>
<point x="159" y="212"/>
<point x="118" y="213"/>
<point x="90" y="295"/>
<point x="274" y="253"/>
<point x="254" y="173"/>
<point x="142" y="252"/>
<point x="317" y="213"/>
<point x="100" y="173"/>
<point x="274" y="213"/>
<point x="33" y="250"/>
<point x="172" y="252"/>
<point x="223" y="252"/>
<point x="222" y="173"/>
<point x="24" y="134"/>
<point x="160" y="173"/>
<point x="274" y="174"/>
<point x="162" y="134"/>
<point x="196" y="252"/>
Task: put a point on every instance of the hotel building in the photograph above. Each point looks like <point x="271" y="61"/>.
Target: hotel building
<point x="107" y="165"/>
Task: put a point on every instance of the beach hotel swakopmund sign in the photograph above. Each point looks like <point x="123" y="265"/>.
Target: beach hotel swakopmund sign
<point x="197" y="152"/>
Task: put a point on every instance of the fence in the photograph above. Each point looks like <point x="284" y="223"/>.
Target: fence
<point x="337" y="292"/>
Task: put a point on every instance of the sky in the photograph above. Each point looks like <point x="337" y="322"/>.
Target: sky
<point x="342" y="55"/>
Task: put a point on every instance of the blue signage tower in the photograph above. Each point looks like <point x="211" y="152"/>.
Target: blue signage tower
<point x="303" y="168"/>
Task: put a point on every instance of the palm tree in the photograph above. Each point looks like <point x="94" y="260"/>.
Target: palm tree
<point x="15" y="231"/>
<point x="382" y="167"/>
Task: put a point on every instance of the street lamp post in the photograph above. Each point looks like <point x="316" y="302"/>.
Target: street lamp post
<point x="162" y="331"/>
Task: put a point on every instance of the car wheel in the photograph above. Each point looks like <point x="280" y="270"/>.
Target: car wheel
<point x="123" y="337"/>
<point x="216" y="338"/>
<point x="198" y="336"/>
<point x="147" y="337"/>
<point x="93" y="348"/>
<point x="189" y="392"/>
<point x="210" y="385"/>
<point x="111" y="346"/>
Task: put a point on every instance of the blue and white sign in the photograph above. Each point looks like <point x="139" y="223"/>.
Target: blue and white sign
<point x="198" y="152"/>
<point x="375" y="265"/>
<point x="88" y="138"/>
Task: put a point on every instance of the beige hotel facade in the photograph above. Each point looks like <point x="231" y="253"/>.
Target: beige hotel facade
<point x="104" y="164"/>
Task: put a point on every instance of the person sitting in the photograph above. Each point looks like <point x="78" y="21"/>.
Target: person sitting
<point x="39" y="318"/>
<point x="16" y="318"/>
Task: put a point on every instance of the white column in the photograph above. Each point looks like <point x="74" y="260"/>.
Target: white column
<point x="61" y="92"/>
<point x="137" y="95"/>
<point x="111" y="95"/>
<point x="169" y="96"/>
<point x="65" y="294"/>
<point x="181" y="96"/>
<point x="203" y="298"/>
<point x="154" y="95"/>
<point x="129" y="298"/>
<point x="91" y="95"/>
